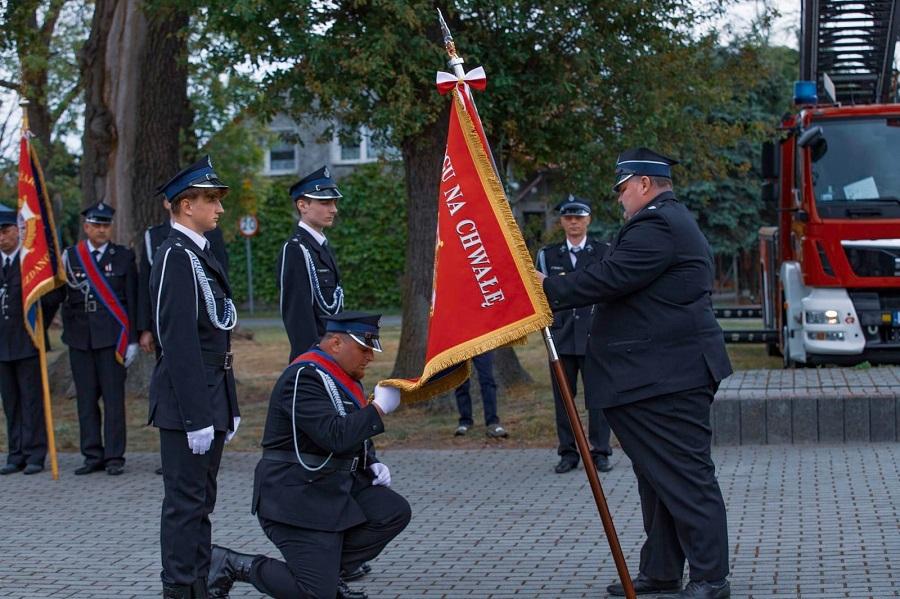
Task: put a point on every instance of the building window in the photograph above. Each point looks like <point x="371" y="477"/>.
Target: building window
<point x="360" y="148"/>
<point x="281" y="157"/>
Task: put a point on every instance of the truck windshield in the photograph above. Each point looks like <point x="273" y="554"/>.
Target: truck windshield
<point x="858" y="174"/>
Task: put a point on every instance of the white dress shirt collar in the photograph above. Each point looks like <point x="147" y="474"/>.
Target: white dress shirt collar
<point x="579" y="245"/>
<point x="198" y="238"/>
<point x="13" y="255"/>
<point x="316" y="235"/>
<point x="101" y="249"/>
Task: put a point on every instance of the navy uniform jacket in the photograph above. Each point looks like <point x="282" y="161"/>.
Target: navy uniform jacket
<point x="289" y="493"/>
<point x="301" y="315"/>
<point x="570" y="328"/>
<point x="190" y="389"/>
<point x="15" y="343"/>
<point x="86" y="330"/>
<point x="153" y="238"/>
<point x="656" y="332"/>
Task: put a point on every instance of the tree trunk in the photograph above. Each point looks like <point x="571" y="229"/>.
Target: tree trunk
<point x="135" y="72"/>
<point x="422" y="157"/>
<point x="509" y="370"/>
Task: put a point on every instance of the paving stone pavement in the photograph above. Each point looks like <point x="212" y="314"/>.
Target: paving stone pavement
<point x="808" y="522"/>
<point x="802" y="382"/>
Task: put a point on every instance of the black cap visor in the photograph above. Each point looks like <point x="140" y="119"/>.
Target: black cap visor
<point x="369" y="340"/>
<point x="620" y="179"/>
<point x="323" y="192"/>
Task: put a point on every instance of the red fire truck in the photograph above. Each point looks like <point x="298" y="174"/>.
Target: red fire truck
<point x="831" y="266"/>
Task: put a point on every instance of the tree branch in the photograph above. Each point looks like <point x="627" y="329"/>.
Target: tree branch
<point x="11" y="85"/>
<point x="66" y="101"/>
<point x="50" y="21"/>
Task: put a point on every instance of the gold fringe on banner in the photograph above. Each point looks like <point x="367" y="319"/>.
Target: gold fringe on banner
<point x="512" y="334"/>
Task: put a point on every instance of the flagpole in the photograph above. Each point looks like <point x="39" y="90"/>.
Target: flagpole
<point x="584" y="450"/>
<point x="455" y="62"/>
<point x="42" y="354"/>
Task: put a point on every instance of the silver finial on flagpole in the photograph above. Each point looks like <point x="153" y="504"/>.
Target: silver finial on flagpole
<point x="455" y="62"/>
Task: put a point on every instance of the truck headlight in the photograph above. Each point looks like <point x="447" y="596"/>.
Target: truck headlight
<point x="822" y="317"/>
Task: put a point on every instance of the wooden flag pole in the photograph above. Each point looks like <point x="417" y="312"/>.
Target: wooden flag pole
<point x="585" y="451"/>
<point x="42" y="352"/>
<point x="45" y="384"/>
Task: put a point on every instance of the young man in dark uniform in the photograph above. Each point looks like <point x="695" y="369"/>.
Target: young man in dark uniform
<point x="570" y="330"/>
<point x="655" y="357"/>
<point x="98" y="326"/>
<point x="192" y="393"/>
<point x="20" y="370"/>
<point x="320" y="493"/>
<point x="308" y="275"/>
<point x="153" y="238"/>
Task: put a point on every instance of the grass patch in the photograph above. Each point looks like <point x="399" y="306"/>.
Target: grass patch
<point x="525" y="410"/>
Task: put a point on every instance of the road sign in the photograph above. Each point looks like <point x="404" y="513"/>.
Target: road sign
<point x="248" y="225"/>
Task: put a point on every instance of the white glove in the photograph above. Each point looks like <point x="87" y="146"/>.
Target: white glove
<point x="386" y="398"/>
<point x="130" y="354"/>
<point x="230" y="434"/>
<point x="382" y="474"/>
<point x="200" y="441"/>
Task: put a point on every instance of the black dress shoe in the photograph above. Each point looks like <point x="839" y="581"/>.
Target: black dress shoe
<point x="11" y="468"/>
<point x="225" y="568"/>
<point x="645" y="586"/>
<point x="33" y="469"/>
<point x="88" y="468"/>
<point x="363" y="569"/>
<point x="159" y="471"/>
<point x="345" y="592"/>
<point x="701" y="589"/>
<point x="115" y="469"/>
<point x="566" y="465"/>
<point x="176" y="591"/>
<point x="601" y="462"/>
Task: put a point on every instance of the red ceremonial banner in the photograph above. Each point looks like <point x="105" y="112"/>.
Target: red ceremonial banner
<point x="39" y="257"/>
<point x="486" y="293"/>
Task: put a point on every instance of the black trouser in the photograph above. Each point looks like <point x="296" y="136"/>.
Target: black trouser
<point x="314" y="558"/>
<point x="98" y="374"/>
<point x="185" y="535"/>
<point x="598" y="428"/>
<point x="26" y="432"/>
<point x="668" y="440"/>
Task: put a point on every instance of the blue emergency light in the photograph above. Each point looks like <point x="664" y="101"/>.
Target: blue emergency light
<point x="805" y="93"/>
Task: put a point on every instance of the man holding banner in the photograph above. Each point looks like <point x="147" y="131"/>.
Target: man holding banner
<point x="99" y="328"/>
<point x="20" y="370"/>
<point x="655" y="358"/>
<point x="40" y="271"/>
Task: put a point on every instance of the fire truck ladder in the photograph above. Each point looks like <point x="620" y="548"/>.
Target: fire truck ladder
<point x="852" y="41"/>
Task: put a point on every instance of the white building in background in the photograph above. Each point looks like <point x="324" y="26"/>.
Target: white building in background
<point x="299" y="150"/>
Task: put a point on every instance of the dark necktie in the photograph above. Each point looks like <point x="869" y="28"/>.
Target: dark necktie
<point x="96" y="254"/>
<point x="7" y="262"/>
<point x="574" y="251"/>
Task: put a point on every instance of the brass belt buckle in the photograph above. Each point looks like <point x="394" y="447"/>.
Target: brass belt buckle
<point x="229" y="360"/>
<point x="90" y="306"/>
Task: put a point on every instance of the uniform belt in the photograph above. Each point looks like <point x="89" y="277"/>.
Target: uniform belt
<point x="312" y="460"/>
<point x="90" y="306"/>
<point x="220" y="360"/>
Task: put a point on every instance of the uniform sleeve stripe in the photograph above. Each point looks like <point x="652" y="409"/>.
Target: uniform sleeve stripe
<point x="281" y="279"/>
<point x="148" y="247"/>
<point x="162" y="279"/>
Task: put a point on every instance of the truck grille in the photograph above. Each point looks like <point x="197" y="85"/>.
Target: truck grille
<point x="877" y="312"/>
<point x="874" y="261"/>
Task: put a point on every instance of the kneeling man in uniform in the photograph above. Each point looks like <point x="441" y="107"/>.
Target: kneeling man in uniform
<point x="319" y="492"/>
